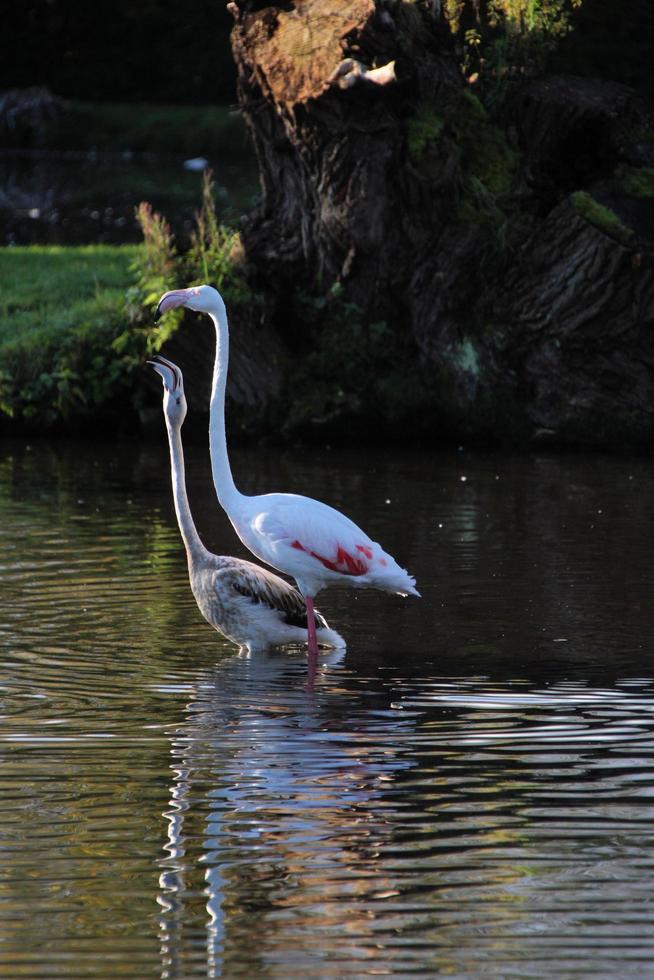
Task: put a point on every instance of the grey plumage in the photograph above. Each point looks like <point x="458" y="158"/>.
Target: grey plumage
<point x="218" y="581"/>
<point x="248" y="604"/>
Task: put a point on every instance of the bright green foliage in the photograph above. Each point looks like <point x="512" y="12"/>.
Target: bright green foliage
<point x="213" y="258"/>
<point x="155" y="271"/>
<point x="52" y="286"/>
<point x="155" y="262"/>
<point x="453" y="10"/>
<point x="72" y="329"/>
<point x="159" y="266"/>
<point x="599" y="215"/>
<point x="215" y="249"/>
<point x="506" y="38"/>
<point x="61" y="310"/>
<point x="548" y="18"/>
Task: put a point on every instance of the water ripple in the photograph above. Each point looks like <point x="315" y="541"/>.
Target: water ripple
<point x="469" y="789"/>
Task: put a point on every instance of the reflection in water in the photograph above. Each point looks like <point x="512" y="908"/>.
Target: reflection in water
<point x="469" y="790"/>
<point x="492" y="834"/>
<point x="288" y="797"/>
<point x="77" y="198"/>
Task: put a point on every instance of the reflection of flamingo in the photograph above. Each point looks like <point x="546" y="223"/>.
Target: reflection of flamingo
<point x="277" y="806"/>
<point x="314" y="543"/>
<point x="250" y="605"/>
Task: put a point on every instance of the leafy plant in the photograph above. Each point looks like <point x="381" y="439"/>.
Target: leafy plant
<point x="215" y="249"/>
<point x="155" y="265"/>
<point x="71" y="333"/>
<point x="503" y="39"/>
<point x="60" y="313"/>
<point x="212" y="257"/>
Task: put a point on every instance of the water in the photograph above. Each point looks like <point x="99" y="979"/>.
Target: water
<point x="469" y="790"/>
<point x="77" y="198"/>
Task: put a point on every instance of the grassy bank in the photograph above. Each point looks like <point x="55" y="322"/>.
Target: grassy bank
<point x="62" y="311"/>
<point x="76" y="321"/>
<point x="51" y="289"/>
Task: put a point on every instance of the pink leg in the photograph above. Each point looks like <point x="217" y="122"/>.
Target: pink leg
<point x="311" y="627"/>
<point x="312" y="660"/>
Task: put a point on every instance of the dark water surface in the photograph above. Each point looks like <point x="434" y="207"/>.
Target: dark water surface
<point x="469" y="790"/>
<point x="90" y="198"/>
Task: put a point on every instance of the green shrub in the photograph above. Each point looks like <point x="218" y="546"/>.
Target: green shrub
<point x="504" y="39"/>
<point x="214" y="257"/>
<point x="61" y="312"/>
<point x="216" y="251"/>
<point x="76" y="324"/>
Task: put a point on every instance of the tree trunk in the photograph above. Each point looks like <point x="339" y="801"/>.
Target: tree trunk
<point x="513" y="254"/>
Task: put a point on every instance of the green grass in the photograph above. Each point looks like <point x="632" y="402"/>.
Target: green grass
<point x="61" y="309"/>
<point x="46" y="290"/>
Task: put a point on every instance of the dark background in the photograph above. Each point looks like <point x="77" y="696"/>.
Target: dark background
<point x="166" y="51"/>
<point x="104" y="50"/>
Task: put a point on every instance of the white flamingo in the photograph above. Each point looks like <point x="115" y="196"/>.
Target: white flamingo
<point x="249" y="605"/>
<point x="314" y="543"/>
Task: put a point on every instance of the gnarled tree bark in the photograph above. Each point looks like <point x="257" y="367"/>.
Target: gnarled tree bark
<point x="512" y="251"/>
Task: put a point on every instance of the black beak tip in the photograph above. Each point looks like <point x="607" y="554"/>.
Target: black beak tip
<point x="158" y="313"/>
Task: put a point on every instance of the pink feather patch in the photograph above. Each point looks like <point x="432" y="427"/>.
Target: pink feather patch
<point x="345" y="563"/>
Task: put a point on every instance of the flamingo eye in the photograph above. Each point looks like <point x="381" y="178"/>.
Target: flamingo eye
<point x="178" y="400"/>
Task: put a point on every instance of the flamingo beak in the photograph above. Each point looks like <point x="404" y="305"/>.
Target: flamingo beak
<point x="167" y="370"/>
<point x="169" y="301"/>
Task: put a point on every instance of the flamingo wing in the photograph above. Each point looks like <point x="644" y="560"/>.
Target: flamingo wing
<point x="265" y="588"/>
<point x="317" y="544"/>
<point x="326" y="538"/>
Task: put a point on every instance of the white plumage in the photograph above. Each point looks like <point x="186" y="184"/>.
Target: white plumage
<point x="321" y="545"/>
<point x="248" y="604"/>
<point x="305" y="538"/>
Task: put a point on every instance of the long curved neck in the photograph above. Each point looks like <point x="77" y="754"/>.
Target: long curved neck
<point x="194" y="547"/>
<point x="223" y="481"/>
